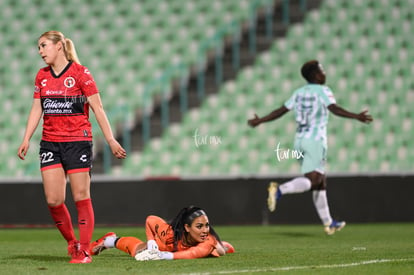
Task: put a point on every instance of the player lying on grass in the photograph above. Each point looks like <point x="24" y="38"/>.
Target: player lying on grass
<point x="188" y="236"/>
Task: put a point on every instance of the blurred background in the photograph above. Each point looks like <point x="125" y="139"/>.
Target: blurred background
<point x="179" y="79"/>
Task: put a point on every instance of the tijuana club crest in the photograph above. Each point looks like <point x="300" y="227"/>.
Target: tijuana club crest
<point x="69" y="82"/>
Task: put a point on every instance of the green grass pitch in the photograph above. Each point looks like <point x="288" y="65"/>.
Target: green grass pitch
<point x="282" y="249"/>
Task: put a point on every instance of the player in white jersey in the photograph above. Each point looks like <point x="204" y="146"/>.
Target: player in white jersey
<point x="311" y="104"/>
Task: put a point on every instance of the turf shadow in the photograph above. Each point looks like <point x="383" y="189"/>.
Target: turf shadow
<point x="295" y="234"/>
<point x="40" y="258"/>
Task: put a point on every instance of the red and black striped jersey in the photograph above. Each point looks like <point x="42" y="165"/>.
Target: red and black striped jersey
<point x="64" y="103"/>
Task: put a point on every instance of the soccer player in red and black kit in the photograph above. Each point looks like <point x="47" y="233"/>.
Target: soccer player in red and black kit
<point x="64" y="90"/>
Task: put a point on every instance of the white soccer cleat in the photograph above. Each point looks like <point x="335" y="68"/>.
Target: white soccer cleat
<point x="148" y="255"/>
<point x="334" y="226"/>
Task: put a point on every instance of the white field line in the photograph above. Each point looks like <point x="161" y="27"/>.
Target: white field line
<point x="313" y="267"/>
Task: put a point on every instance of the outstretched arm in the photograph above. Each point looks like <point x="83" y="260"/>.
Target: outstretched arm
<point x="339" y="111"/>
<point x="272" y="116"/>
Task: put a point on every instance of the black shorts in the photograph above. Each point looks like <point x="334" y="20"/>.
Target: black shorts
<point x="73" y="157"/>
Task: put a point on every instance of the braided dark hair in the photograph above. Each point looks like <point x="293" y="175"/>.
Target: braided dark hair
<point x="187" y="216"/>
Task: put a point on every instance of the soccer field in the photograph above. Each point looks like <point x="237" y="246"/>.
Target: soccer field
<point x="293" y="249"/>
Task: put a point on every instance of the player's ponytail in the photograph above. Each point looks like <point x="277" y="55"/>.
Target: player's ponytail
<point x="68" y="46"/>
<point x="70" y="51"/>
<point x="177" y="225"/>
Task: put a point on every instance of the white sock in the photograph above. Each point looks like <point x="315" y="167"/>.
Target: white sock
<point x="110" y="242"/>
<point x="320" y="201"/>
<point x="297" y="185"/>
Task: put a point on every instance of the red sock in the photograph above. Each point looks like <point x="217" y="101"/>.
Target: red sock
<point x="86" y="222"/>
<point x="63" y="221"/>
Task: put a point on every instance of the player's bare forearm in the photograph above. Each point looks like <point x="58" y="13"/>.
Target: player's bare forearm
<point x="34" y="119"/>
<point x="32" y="122"/>
<point x="103" y="122"/>
<point x="339" y="111"/>
<point x="270" y="117"/>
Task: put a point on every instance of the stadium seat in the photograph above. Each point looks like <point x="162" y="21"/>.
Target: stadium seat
<point x="360" y="78"/>
<point x="364" y="46"/>
<point x="125" y="45"/>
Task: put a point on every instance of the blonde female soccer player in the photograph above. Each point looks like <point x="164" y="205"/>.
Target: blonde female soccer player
<point x="64" y="91"/>
<point x="188" y="236"/>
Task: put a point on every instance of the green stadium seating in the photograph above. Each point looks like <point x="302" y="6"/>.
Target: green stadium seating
<point x="364" y="46"/>
<point x="125" y="45"/>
